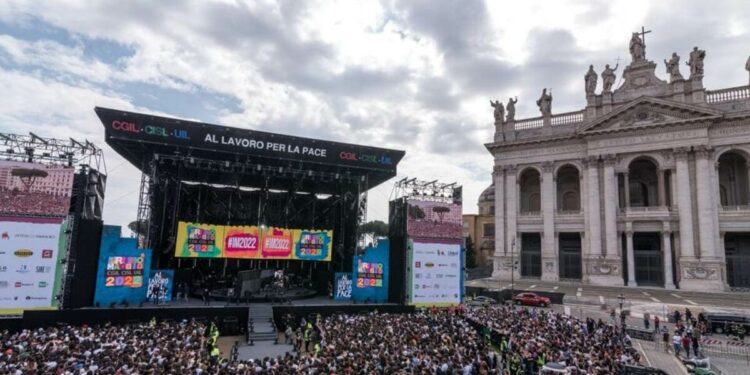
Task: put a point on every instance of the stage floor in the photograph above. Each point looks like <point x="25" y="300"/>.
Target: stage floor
<point x="197" y="302"/>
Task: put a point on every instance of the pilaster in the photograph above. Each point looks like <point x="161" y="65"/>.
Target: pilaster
<point x="549" y="260"/>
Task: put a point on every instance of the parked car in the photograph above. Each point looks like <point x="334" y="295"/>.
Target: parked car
<point x="481" y="301"/>
<point x="531" y="299"/>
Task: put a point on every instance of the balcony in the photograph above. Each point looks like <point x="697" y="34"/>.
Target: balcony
<point x="646" y="212"/>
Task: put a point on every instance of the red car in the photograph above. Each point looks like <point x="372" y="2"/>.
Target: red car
<point x="531" y="299"/>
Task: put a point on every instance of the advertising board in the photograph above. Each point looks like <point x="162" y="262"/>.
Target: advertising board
<point x="30" y="271"/>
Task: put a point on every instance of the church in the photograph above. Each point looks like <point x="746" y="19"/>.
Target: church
<point x="648" y="185"/>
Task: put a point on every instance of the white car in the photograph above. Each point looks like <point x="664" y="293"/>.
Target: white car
<point x="481" y="301"/>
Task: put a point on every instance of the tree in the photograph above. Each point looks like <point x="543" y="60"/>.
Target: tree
<point x="140" y="228"/>
<point x="471" y="256"/>
<point x="374" y="228"/>
<point x="440" y="211"/>
<point x="28" y="176"/>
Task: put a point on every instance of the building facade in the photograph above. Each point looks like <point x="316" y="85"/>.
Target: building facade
<point x="648" y="185"/>
<point x="480" y="228"/>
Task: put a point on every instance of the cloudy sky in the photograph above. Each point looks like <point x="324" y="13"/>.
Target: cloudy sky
<point x="413" y="75"/>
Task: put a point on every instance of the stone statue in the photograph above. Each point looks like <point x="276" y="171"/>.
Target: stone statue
<point x="608" y="78"/>
<point x="499" y="111"/>
<point x="590" y="78"/>
<point x="673" y="68"/>
<point x="510" y="108"/>
<point x="637" y="48"/>
<point x="747" y="67"/>
<point x="545" y="103"/>
<point x="696" y="63"/>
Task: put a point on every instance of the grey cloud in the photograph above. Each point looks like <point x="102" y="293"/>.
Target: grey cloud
<point x="453" y="135"/>
<point x="438" y="94"/>
<point x="458" y="26"/>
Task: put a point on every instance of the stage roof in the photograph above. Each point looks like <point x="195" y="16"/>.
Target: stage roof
<point x="138" y="137"/>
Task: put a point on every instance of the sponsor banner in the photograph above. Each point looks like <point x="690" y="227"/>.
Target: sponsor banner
<point x="250" y="242"/>
<point x="434" y="220"/>
<point x="123" y="269"/>
<point x="276" y="243"/>
<point x="312" y="245"/>
<point x="35" y="189"/>
<point x="147" y="128"/>
<point x="436" y="274"/>
<point x="29" y="266"/>
<point x="343" y="286"/>
<point x="160" y="286"/>
<point x="241" y="242"/>
<point x="370" y="273"/>
<point x="199" y="240"/>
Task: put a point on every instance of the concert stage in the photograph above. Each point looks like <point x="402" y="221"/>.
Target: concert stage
<point x="216" y="201"/>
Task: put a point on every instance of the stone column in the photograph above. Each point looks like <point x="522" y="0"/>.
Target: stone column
<point x="673" y="189"/>
<point x="511" y="204"/>
<point x="661" y="188"/>
<point x="626" y="186"/>
<point x="667" y="257"/>
<point x="594" y="210"/>
<point x="610" y="207"/>
<point x="500" y="249"/>
<point x="548" y="217"/>
<point x="631" y="257"/>
<point x="706" y="210"/>
<point x="684" y="204"/>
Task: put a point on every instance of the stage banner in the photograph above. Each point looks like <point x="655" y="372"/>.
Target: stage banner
<point x="242" y="242"/>
<point x="160" y="286"/>
<point x="313" y="244"/>
<point x="277" y="243"/>
<point x="123" y="269"/>
<point x="370" y="272"/>
<point x="436" y="276"/>
<point x="35" y="189"/>
<point x="343" y="287"/>
<point x="434" y="220"/>
<point x="30" y="271"/>
<point x="196" y="240"/>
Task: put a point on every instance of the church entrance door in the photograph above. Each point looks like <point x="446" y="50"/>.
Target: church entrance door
<point x="737" y="248"/>
<point x="531" y="255"/>
<point x="649" y="269"/>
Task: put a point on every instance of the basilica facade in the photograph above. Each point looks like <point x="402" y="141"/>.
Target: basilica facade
<point x="648" y="185"/>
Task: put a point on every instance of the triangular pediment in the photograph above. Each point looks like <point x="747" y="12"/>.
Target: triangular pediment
<point x="647" y="112"/>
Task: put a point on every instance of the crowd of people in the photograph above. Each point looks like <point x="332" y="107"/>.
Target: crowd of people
<point x="487" y="340"/>
<point x="145" y="348"/>
<point x="34" y="203"/>
<point x="531" y="338"/>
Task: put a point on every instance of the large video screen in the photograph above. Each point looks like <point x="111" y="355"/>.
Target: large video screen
<point x="30" y="249"/>
<point x="436" y="274"/>
<point x="35" y="189"/>
<point x="197" y="240"/>
<point x="427" y="219"/>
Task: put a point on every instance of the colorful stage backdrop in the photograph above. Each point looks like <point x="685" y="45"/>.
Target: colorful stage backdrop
<point x="123" y="269"/>
<point x="196" y="240"/>
<point x="370" y="274"/>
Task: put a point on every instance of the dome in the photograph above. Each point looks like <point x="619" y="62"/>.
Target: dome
<point x="488" y="195"/>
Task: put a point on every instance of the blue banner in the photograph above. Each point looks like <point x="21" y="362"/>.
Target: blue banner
<point x="343" y="287"/>
<point x="122" y="275"/>
<point x="370" y="274"/>
<point x="160" y="286"/>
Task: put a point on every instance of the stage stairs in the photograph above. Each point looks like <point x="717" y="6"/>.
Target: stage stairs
<point x="260" y="325"/>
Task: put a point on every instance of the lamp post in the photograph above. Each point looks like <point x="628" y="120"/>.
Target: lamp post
<point x="621" y="299"/>
<point x="512" y="269"/>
